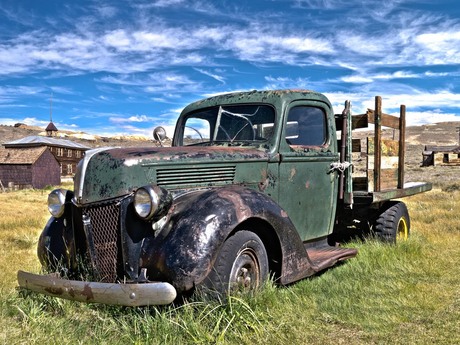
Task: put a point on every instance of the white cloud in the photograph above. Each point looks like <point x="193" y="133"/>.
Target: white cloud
<point x="426" y="117"/>
<point x="287" y="83"/>
<point x="134" y="118"/>
<point x="212" y="75"/>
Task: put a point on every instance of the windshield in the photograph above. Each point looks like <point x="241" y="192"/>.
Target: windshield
<point x="228" y="124"/>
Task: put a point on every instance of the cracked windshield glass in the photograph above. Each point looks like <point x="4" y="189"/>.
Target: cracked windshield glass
<point x="233" y="124"/>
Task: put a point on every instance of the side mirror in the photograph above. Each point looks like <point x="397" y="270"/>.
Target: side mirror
<point x="159" y="134"/>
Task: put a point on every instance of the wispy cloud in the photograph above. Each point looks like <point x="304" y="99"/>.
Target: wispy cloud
<point x="97" y="55"/>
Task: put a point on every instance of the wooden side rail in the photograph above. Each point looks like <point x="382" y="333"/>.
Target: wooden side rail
<point x="385" y="158"/>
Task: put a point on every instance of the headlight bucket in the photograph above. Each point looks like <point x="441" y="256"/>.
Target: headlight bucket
<point x="152" y="202"/>
<point x="56" y="202"/>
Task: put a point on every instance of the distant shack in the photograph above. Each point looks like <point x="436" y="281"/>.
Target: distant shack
<point x="34" y="167"/>
<point x="441" y="155"/>
<point x="66" y="152"/>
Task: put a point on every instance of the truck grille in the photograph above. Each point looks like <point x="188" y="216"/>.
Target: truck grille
<point x="198" y="176"/>
<point x="104" y="225"/>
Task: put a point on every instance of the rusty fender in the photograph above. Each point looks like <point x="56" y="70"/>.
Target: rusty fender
<point x="185" y="249"/>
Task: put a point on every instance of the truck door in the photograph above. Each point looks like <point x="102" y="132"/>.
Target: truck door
<point x="308" y="191"/>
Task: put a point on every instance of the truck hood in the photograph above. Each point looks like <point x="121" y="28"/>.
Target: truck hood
<point x="107" y="173"/>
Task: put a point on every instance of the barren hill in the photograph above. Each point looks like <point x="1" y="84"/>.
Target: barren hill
<point x="417" y="137"/>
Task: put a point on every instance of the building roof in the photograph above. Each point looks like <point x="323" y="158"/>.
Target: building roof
<point x="51" y="127"/>
<point x="21" y="156"/>
<point x="37" y="140"/>
<point x="442" y="149"/>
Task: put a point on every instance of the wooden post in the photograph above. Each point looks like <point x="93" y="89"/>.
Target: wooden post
<point x="377" y="142"/>
<point x="402" y="146"/>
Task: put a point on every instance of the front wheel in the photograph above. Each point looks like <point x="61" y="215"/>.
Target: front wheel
<point x="241" y="265"/>
<point x="393" y="224"/>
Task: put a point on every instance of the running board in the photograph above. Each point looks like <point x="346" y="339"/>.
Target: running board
<point x="327" y="256"/>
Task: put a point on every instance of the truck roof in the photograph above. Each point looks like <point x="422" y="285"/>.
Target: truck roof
<point x="257" y="96"/>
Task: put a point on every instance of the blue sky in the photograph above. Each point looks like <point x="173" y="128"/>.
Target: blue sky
<point x="124" y="67"/>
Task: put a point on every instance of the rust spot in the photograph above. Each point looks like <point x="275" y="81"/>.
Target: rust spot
<point x="241" y="209"/>
<point x="284" y="214"/>
<point x="307" y="184"/>
<point x="88" y="292"/>
<point x="54" y="290"/>
<point x="264" y="180"/>
<point x="293" y="172"/>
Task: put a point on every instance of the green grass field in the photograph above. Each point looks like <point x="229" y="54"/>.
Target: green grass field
<point x="403" y="294"/>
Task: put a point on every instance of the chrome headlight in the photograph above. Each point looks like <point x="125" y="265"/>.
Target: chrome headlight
<point x="56" y="202"/>
<point x="152" y="202"/>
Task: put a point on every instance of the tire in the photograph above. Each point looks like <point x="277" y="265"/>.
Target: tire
<point x="241" y="265"/>
<point x="393" y="224"/>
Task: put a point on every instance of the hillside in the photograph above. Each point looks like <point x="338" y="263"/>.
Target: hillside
<point x="417" y="137"/>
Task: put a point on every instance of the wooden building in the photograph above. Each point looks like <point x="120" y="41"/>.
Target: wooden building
<point x="66" y="152"/>
<point x="441" y="155"/>
<point x="33" y="167"/>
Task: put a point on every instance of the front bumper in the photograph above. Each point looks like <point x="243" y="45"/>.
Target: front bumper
<point x="138" y="294"/>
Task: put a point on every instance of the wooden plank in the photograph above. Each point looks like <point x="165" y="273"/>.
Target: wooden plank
<point x="357" y="121"/>
<point x="388" y="179"/>
<point x="386" y="119"/>
<point x="402" y="145"/>
<point x="355" y="145"/>
<point x="360" y="183"/>
<point x="377" y="142"/>
<point x="360" y="121"/>
<point x="385" y="162"/>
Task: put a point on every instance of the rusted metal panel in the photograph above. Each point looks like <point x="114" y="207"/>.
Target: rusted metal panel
<point x="116" y="172"/>
<point x="325" y="256"/>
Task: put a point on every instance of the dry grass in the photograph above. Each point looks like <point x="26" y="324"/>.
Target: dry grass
<point x="408" y="293"/>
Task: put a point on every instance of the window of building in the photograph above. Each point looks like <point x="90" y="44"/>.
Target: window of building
<point x="59" y="151"/>
<point x="78" y="154"/>
<point x="69" y="153"/>
<point x="69" y="169"/>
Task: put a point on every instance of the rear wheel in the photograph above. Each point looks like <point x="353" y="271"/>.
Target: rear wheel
<point x="393" y="224"/>
<point x="241" y="265"/>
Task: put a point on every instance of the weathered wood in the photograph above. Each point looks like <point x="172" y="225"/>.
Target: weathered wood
<point x="360" y="183"/>
<point x="386" y="162"/>
<point x="377" y="142"/>
<point x="357" y="121"/>
<point x="402" y="145"/>
<point x="386" y="119"/>
<point x="355" y="145"/>
<point x="388" y="179"/>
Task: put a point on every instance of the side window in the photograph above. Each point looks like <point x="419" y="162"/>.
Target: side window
<point x="306" y="126"/>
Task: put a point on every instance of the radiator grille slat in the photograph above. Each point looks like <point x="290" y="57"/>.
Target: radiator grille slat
<point x="105" y="224"/>
<point x="199" y="176"/>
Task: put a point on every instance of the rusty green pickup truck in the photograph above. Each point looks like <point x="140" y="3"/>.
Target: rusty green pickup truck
<point x="255" y="185"/>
